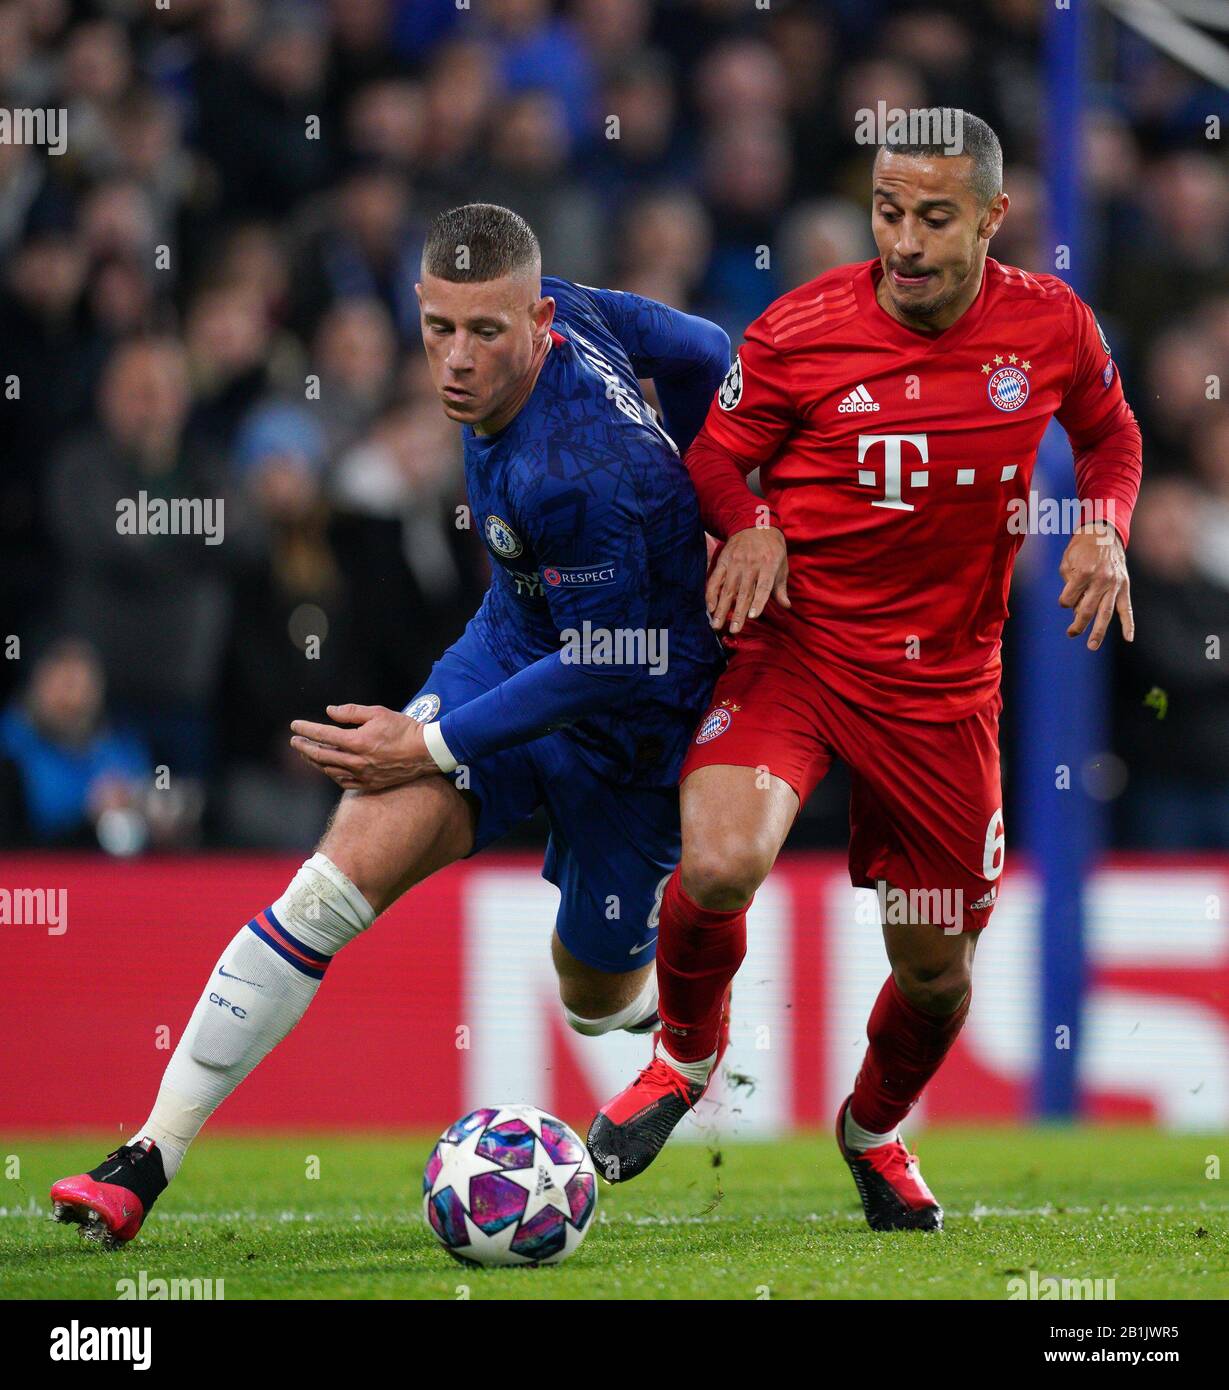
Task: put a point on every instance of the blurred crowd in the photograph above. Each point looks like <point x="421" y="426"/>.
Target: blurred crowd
<point x="209" y="295"/>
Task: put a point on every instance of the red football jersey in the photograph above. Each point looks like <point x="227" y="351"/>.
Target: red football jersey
<point x="896" y="463"/>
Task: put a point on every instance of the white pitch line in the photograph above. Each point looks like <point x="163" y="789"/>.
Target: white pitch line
<point x="410" y="1218"/>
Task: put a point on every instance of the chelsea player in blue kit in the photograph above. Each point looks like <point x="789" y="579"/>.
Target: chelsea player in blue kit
<point x="575" y="687"/>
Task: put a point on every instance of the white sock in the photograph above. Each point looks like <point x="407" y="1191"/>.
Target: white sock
<point x="695" y="1072"/>
<point x="857" y="1138"/>
<point x="259" y="989"/>
<point x="643" y="1006"/>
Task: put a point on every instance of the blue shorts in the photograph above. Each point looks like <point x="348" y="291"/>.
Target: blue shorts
<point x="611" y="848"/>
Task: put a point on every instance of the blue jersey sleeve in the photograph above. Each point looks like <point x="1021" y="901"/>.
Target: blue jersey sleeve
<point x="587" y="533"/>
<point x="686" y="357"/>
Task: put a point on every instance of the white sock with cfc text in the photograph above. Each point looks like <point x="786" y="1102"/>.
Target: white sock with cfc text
<point x="259" y="989"/>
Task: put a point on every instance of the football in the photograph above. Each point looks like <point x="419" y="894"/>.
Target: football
<point x="509" y="1185"/>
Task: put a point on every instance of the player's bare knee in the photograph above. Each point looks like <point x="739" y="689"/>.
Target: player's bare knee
<point x="386" y="844"/>
<point x="721" y="875"/>
<point x="938" y="990"/>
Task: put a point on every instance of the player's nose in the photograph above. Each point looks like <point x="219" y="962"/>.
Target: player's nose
<point x="909" y="243"/>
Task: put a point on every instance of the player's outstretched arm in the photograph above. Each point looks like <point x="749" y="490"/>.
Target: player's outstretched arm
<point x="384" y="749"/>
<point x="1096" y="584"/>
<point x="684" y="355"/>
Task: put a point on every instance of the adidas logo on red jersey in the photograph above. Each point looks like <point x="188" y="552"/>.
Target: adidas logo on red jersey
<point x="858" y="402"/>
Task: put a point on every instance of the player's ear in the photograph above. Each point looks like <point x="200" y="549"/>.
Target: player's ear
<point x="992" y="218"/>
<point x="543" y="314"/>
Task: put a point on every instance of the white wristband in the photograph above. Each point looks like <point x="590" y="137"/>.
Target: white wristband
<point x="434" y="739"/>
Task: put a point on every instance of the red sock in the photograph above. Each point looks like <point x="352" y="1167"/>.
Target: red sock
<point x="906" y="1049"/>
<point x="698" y="954"/>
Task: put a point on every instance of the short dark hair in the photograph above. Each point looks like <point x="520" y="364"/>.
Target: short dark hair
<point x="479" y="241"/>
<point x="977" y="140"/>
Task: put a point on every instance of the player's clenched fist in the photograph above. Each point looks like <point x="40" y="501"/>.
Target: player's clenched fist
<point x="385" y="750"/>
<point x="1096" y="583"/>
<point x="751" y="568"/>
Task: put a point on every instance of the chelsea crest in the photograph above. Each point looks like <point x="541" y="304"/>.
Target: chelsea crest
<point x="502" y="539"/>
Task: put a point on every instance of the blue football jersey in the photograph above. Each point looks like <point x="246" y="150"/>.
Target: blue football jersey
<point x="597" y="552"/>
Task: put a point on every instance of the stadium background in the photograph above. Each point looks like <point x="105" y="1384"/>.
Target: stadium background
<point x="171" y="281"/>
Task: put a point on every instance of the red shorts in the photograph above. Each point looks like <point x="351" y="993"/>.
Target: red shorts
<point x="925" y="812"/>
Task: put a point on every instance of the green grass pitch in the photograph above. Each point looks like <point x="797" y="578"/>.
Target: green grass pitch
<point x="751" y="1220"/>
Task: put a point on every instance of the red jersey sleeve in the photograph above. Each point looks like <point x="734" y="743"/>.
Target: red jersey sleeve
<point x="1101" y="426"/>
<point x="751" y="415"/>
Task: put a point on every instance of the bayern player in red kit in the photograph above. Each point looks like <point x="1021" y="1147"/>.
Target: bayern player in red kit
<point x="894" y="410"/>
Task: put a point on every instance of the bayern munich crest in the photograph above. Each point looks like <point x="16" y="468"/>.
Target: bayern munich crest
<point x="730" y="392"/>
<point x="502" y="539"/>
<point x="424" y="709"/>
<point x="1008" y="388"/>
<point x="716" y="722"/>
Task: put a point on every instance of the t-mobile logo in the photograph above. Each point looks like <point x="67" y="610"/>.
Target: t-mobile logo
<point x="893" y="455"/>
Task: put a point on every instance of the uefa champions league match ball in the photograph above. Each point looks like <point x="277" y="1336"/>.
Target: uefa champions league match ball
<point x="509" y="1185"/>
